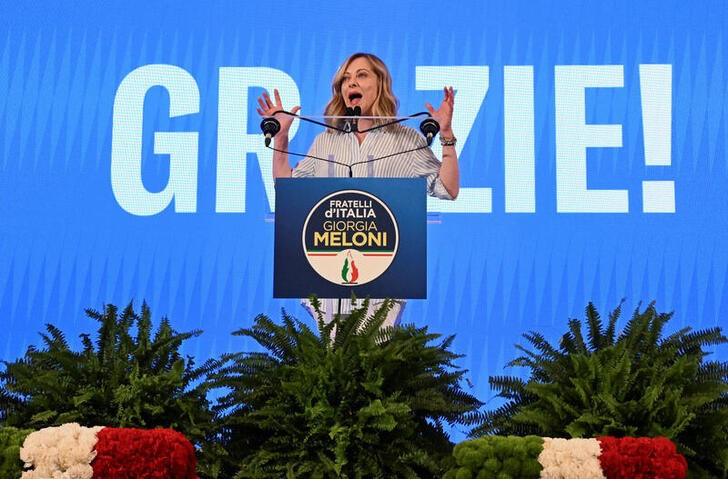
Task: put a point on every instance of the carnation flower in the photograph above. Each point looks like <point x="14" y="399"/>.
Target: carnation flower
<point x="62" y="452"/>
<point x="570" y="459"/>
<point x="641" y="457"/>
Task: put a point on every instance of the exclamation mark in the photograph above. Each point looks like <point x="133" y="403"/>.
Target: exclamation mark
<point x="656" y="93"/>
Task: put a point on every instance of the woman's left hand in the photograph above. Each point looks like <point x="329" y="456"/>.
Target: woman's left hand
<point x="443" y="115"/>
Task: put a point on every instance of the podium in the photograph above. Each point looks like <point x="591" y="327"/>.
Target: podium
<point x="335" y="237"/>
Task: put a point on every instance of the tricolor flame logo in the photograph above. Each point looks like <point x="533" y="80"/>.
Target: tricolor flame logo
<point x="349" y="272"/>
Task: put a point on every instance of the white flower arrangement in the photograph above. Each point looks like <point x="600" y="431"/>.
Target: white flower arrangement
<point x="570" y="459"/>
<point x="62" y="452"/>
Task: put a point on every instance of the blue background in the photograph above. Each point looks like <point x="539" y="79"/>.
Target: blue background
<point x="66" y="244"/>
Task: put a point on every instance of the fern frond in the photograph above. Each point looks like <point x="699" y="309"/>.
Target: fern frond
<point x="539" y="342"/>
<point x="57" y="339"/>
<point x="597" y="338"/>
<point x="373" y="323"/>
<point x="348" y="326"/>
<point x="609" y="334"/>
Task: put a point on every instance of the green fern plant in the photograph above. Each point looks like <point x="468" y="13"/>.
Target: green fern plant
<point x="11" y="440"/>
<point x="633" y="383"/>
<point x="350" y="400"/>
<point x="128" y="376"/>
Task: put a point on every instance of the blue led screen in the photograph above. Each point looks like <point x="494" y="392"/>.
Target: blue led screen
<point x="591" y="137"/>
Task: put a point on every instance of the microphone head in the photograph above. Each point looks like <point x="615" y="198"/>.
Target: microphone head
<point x="429" y="127"/>
<point x="357" y="110"/>
<point x="349" y="126"/>
<point x="270" y="126"/>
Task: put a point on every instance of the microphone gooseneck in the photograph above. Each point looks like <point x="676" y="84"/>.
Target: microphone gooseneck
<point x="270" y="127"/>
<point x="350" y="112"/>
<point x="429" y="127"/>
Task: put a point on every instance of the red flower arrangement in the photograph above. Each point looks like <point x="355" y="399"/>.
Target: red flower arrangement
<point x="641" y="458"/>
<point x="112" y="453"/>
<point x="143" y="454"/>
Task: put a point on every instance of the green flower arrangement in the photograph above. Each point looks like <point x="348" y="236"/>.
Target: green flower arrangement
<point x="497" y="457"/>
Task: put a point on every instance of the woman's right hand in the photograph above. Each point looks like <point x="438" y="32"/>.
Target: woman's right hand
<point x="268" y="109"/>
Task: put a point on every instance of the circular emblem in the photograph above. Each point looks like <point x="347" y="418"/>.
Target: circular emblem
<point x="350" y="237"/>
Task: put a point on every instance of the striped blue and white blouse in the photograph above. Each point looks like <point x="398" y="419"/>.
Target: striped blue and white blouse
<point x="343" y="152"/>
<point x="365" y="159"/>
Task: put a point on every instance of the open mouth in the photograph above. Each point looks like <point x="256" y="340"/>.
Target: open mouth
<point x="355" y="98"/>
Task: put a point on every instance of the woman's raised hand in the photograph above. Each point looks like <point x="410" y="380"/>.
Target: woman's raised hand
<point x="443" y="115"/>
<point x="268" y="108"/>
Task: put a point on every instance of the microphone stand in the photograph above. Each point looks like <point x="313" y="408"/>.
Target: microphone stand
<point x="425" y="126"/>
<point x="354" y="117"/>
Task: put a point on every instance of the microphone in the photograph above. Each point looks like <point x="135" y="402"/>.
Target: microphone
<point x="355" y="125"/>
<point x="348" y="125"/>
<point x="270" y="127"/>
<point x="429" y="127"/>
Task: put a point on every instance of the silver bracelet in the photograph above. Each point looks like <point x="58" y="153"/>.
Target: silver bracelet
<point x="448" y="141"/>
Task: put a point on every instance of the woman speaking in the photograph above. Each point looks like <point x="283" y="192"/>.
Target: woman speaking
<point x="363" y="83"/>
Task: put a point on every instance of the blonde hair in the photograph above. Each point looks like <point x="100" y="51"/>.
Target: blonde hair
<point x="386" y="103"/>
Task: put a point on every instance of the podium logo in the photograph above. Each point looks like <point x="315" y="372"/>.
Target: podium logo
<point x="350" y="237"/>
